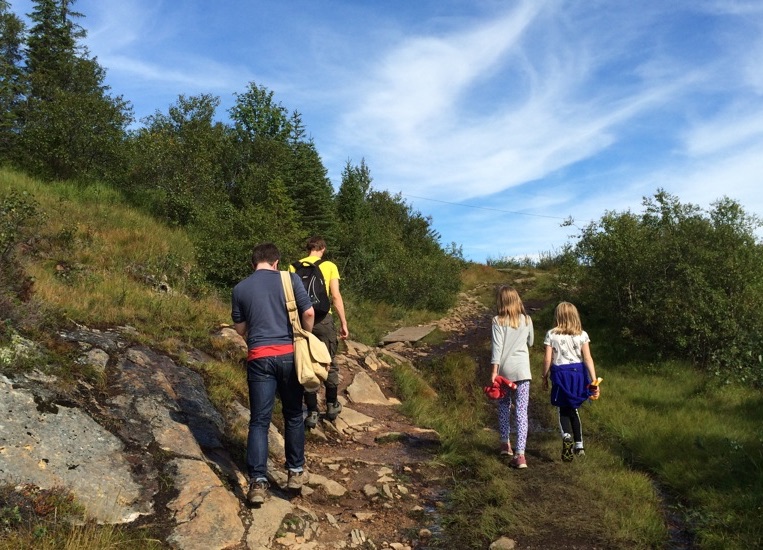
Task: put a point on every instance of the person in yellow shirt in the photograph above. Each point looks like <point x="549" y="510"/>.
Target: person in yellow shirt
<point x="325" y="330"/>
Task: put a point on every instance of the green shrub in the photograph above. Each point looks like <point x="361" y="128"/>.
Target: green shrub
<point x="20" y="216"/>
<point x="678" y="281"/>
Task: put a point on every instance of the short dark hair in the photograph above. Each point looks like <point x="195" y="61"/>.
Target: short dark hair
<point x="265" y="252"/>
<point x="315" y="243"/>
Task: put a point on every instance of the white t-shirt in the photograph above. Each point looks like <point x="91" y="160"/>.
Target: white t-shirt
<point x="567" y="348"/>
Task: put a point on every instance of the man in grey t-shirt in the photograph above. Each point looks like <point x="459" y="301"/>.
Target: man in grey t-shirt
<point x="258" y="310"/>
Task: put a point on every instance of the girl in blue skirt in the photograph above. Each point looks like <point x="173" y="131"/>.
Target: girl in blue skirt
<point x="568" y="360"/>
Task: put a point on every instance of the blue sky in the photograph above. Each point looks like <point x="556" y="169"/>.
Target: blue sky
<point x="499" y="119"/>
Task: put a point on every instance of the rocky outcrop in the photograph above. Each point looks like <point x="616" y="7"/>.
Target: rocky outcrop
<point x="53" y="444"/>
<point x="152" y="429"/>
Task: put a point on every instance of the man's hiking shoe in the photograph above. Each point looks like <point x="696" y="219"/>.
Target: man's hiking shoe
<point x="580" y="453"/>
<point x="258" y="492"/>
<point x="296" y="479"/>
<point x="333" y="410"/>
<point x="311" y="420"/>
<point x="506" y="449"/>
<point x="518" y="462"/>
<point x="567" y="444"/>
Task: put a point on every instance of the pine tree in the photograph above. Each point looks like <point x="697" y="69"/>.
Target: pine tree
<point x="351" y="199"/>
<point x="309" y="186"/>
<point x="71" y="127"/>
<point x="273" y="146"/>
<point x="12" y="79"/>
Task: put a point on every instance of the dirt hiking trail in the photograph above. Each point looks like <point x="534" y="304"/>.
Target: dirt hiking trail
<point x="394" y="486"/>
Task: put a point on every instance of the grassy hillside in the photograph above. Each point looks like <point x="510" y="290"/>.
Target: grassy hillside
<point x="98" y="262"/>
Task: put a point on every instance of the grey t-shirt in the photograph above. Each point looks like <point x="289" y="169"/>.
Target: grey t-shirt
<point x="259" y="301"/>
<point x="510" y="351"/>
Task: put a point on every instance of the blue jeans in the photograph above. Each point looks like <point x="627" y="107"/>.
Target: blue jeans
<point x="266" y="377"/>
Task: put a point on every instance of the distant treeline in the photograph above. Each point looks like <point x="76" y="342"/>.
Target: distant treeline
<point x="231" y="184"/>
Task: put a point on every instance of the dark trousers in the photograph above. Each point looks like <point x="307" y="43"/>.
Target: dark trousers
<point x="326" y="333"/>
<point x="569" y="421"/>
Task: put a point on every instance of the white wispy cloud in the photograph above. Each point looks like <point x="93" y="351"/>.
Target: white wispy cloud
<point x="433" y="140"/>
<point x="733" y="128"/>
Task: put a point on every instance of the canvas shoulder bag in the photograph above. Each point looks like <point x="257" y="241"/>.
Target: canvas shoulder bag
<point x="311" y="357"/>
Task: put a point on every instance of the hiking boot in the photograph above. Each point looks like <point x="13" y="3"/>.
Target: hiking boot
<point x="506" y="449"/>
<point x="296" y="479"/>
<point x="567" y="444"/>
<point x="333" y="410"/>
<point x="311" y="420"/>
<point x="258" y="492"/>
<point x="580" y="453"/>
<point x="518" y="462"/>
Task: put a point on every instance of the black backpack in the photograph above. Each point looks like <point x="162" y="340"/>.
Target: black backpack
<point x="315" y="285"/>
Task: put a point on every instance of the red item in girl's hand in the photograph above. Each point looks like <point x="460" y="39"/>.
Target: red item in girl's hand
<point x="499" y="388"/>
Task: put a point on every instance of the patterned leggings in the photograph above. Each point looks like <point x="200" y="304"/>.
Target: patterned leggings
<point x="521" y="397"/>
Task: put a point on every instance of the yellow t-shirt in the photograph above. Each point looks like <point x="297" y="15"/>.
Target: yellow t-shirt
<point x="329" y="270"/>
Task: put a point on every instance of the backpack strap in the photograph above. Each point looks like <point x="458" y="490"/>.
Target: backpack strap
<point x="305" y="263"/>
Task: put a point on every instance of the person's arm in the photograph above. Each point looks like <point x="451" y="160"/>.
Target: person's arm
<point x="497" y="348"/>
<point x="547" y="365"/>
<point x="241" y="329"/>
<point x="588" y="361"/>
<point x="308" y="319"/>
<point x="338" y="305"/>
<point x="531" y="333"/>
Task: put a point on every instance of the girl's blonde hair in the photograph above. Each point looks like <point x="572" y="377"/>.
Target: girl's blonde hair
<point x="567" y="319"/>
<point x="510" y="307"/>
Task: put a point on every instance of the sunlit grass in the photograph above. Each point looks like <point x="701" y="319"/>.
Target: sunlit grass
<point x="480" y="495"/>
<point x="225" y="381"/>
<point x="702" y="441"/>
<point x="90" y="536"/>
<point x="477" y="274"/>
<point x="370" y="321"/>
<point x="51" y="519"/>
<point x="100" y="263"/>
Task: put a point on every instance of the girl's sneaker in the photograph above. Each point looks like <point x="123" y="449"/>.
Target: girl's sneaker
<point x="506" y="449"/>
<point x="567" y="444"/>
<point x="518" y="462"/>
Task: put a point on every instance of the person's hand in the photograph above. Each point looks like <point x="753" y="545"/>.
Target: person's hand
<point x="344" y="332"/>
<point x="545" y="383"/>
<point x="595" y="390"/>
<point x="493" y="376"/>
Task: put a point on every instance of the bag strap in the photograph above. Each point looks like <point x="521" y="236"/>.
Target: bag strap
<point x="291" y="302"/>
